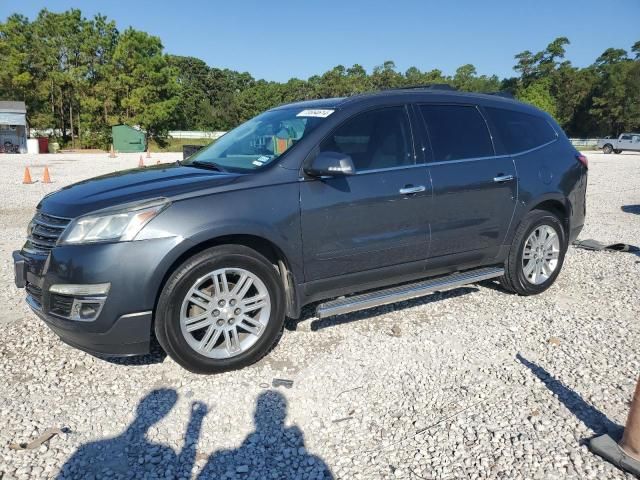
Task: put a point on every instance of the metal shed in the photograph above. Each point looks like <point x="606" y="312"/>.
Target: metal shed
<point x="128" y="139"/>
<point x="13" y="127"/>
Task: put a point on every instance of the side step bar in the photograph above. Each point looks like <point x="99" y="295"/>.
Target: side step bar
<point x="405" y="292"/>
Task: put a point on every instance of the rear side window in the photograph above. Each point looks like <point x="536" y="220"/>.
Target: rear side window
<point x="456" y="132"/>
<point x="520" y="131"/>
<point x="374" y="139"/>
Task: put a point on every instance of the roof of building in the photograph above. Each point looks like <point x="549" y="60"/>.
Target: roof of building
<point x="13" y="107"/>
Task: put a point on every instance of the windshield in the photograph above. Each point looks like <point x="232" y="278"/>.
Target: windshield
<point x="261" y="140"/>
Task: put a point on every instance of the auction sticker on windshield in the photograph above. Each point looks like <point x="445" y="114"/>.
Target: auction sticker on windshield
<point x="315" y="112"/>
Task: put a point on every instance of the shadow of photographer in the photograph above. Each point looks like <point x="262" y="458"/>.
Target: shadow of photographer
<point x="271" y="449"/>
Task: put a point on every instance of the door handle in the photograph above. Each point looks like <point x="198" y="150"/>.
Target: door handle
<point x="503" y="178"/>
<point x="408" y="190"/>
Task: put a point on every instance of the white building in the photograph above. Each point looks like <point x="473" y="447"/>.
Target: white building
<point x="13" y="127"/>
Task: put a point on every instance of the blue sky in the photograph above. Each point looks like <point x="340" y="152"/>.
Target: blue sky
<point x="281" y="39"/>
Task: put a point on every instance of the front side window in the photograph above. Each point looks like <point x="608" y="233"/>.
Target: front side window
<point x="456" y="132"/>
<point x="520" y="131"/>
<point x="261" y="140"/>
<point x="625" y="137"/>
<point x="375" y="139"/>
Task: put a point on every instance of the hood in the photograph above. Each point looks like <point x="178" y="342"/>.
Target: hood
<point x="126" y="186"/>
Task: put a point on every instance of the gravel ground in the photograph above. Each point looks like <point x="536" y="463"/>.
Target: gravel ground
<point x="470" y="383"/>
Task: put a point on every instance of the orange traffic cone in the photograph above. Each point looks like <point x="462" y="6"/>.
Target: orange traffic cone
<point x="140" y="162"/>
<point x="27" y="176"/>
<point x="46" y="178"/>
<point x="148" y="153"/>
<point x="112" y="154"/>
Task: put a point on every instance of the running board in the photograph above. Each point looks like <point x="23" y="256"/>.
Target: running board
<point x="405" y="292"/>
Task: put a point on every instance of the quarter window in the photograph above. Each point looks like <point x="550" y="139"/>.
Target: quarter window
<point x="520" y="131"/>
<point x="456" y="132"/>
<point x="374" y="139"/>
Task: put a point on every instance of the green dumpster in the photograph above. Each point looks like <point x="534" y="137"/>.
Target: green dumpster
<point x="127" y="139"/>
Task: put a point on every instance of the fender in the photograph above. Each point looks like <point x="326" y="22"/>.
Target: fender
<point x="528" y="202"/>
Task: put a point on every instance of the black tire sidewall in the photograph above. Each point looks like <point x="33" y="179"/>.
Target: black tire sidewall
<point x="536" y="219"/>
<point x="607" y="149"/>
<point x="168" y="313"/>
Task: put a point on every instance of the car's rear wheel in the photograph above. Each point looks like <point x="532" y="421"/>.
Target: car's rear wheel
<point x="616" y="151"/>
<point x="537" y="254"/>
<point x="220" y="310"/>
<point x="607" y="148"/>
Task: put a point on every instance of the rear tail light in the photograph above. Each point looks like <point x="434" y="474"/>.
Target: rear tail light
<point x="582" y="159"/>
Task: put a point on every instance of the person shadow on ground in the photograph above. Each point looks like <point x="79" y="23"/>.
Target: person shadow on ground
<point x="271" y="451"/>
<point x="131" y="454"/>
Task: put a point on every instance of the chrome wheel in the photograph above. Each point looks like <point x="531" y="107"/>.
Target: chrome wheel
<point x="225" y="312"/>
<point x="540" y="255"/>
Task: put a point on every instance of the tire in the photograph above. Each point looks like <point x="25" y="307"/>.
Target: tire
<point x="518" y="277"/>
<point x="179" y="307"/>
<point x="608" y="148"/>
<point x="616" y="151"/>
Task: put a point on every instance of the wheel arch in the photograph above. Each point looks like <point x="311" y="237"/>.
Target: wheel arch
<point x="556" y="204"/>
<point x="264" y="246"/>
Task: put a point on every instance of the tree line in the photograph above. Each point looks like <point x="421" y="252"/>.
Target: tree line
<point x="79" y="76"/>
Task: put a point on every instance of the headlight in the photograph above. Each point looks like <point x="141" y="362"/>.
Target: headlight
<point x="122" y="223"/>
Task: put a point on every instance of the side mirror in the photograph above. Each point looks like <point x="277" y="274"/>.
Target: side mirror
<point x="331" y="164"/>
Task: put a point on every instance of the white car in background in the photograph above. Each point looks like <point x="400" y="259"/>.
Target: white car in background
<point x="626" y="141"/>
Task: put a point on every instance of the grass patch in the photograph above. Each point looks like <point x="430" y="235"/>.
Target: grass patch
<point x="176" y="144"/>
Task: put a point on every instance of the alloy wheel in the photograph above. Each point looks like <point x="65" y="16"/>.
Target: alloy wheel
<point x="225" y="312"/>
<point x="540" y="255"/>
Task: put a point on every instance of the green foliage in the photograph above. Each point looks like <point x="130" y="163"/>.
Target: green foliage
<point x="602" y="99"/>
<point x="80" y="76"/>
<point x="538" y="93"/>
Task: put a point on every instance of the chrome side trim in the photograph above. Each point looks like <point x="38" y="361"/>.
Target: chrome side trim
<point x="136" y="314"/>
<point x="405" y="292"/>
<point x="475" y="159"/>
<point x="402" y="167"/>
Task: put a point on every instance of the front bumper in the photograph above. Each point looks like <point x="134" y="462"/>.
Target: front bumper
<point x="129" y="335"/>
<point x="123" y="325"/>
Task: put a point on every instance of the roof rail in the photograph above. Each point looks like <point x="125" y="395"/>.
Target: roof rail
<point x="502" y="93"/>
<point x="427" y="86"/>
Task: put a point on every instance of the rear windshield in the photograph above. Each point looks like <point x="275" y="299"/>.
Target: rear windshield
<point x="520" y="131"/>
<point x="261" y="140"/>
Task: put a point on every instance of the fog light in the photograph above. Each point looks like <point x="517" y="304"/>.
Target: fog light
<point x="86" y="309"/>
<point x="80" y="290"/>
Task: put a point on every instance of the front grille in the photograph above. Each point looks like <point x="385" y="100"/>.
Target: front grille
<point x="35" y="293"/>
<point x="45" y="231"/>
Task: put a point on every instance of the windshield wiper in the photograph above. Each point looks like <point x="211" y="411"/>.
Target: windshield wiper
<point x="207" y="165"/>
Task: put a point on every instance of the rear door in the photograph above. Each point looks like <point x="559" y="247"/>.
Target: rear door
<point x="377" y="217"/>
<point x="474" y="191"/>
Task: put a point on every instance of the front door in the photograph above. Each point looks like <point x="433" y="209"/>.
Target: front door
<point x="474" y="191"/>
<point x="625" y="143"/>
<point x="375" y="218"/>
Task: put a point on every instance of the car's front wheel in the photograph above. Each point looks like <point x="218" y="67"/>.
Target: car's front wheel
<point x="220" y="310"/>
<point x="617" y="151"/>
<point x="537" y="254"/>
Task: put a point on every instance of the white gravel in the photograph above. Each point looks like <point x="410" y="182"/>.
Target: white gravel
<point x="471" y="383"/>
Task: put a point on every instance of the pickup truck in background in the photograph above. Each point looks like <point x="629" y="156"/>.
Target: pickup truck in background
<point x="626" y="141"/>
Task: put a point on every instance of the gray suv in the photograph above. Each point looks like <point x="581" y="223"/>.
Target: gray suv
<point x="396" y="194"/>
